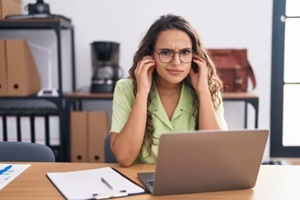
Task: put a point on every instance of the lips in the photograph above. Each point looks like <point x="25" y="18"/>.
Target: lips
<point x="174" y="71"/>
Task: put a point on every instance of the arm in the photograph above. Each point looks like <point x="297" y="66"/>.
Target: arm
<point x="207" y="115"/>
<point x="127" y="144"/>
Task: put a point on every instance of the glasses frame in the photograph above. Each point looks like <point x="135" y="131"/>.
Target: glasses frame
<point x="173" y="56"/>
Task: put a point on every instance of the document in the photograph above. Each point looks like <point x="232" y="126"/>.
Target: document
<point x="25" y="128"/>
<point x="9" y="172"/>
<point x="39" y="127"/>
<point x="100" y="183"/>
<point x="11" y="126"/>
<point x="54" y="130"/>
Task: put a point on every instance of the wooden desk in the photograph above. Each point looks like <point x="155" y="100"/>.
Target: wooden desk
<point x="246" y="97"/>
<point x="274" y="182"/>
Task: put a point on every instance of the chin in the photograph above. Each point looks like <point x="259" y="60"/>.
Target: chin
<point x="175" y="80"/>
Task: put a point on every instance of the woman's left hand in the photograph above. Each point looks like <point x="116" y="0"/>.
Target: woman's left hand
<point x="199" y="79"/>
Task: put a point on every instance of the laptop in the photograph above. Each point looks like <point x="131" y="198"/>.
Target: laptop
<point x="206" y="161"/>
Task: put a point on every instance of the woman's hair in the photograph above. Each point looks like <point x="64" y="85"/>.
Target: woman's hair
<point x="146" y="47"/>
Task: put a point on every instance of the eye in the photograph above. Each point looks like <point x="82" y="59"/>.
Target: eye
<point x="166" y="52"/>
<point x="186" y="51"/>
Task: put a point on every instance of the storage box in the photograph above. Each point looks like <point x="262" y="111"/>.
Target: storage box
<point x="79" y="133"/>
<point x="22" y="75"/>
<point x="88" y="133"/>
<point x="10" y="7"/>
<point x="3" y="70"/>
<point x="98" y="127"/>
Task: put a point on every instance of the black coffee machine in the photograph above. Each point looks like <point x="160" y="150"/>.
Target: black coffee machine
<point x="106" y="69"/>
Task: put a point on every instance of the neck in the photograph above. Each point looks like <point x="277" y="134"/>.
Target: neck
<point x="164" y="87"/>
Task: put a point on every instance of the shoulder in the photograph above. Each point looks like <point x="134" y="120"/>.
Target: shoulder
<point x="124" y="89"/>
<point x="125" y="84"/>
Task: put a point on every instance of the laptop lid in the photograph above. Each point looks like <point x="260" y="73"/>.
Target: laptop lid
<point x="203" y="161"/>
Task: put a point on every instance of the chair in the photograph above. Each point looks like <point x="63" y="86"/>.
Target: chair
<point x="109" y="156"/>
<point x="25" y="152"/>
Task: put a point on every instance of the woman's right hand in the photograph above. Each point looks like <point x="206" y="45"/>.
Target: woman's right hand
<point x="143" y="74"/>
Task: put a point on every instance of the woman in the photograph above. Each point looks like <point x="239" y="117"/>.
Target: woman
<point x="173" y="86"/>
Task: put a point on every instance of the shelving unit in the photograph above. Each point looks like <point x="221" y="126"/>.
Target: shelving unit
<point x="57" y="25"/>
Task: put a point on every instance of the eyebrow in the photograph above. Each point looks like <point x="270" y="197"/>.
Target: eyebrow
<point x="163" y="49"/>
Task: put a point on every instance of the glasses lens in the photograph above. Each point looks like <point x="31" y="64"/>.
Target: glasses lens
<point x="166" y="56"/>
<point x="186" y="56"/>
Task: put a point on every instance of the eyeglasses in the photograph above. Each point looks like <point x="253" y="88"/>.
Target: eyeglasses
<point x="167" y="55"/>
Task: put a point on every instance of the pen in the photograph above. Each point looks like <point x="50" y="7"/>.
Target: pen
<point x="5" y="169"/>
<point x="120" y="193"/>
<point x="106" y="183"/>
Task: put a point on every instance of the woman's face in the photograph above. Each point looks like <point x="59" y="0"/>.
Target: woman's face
<point x="176" y="42"/>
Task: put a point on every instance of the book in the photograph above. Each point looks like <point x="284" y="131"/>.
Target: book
<point x="99" y="183"/>
<point x="9" y="172"/>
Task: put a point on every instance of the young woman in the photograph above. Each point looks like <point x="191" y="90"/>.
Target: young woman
<point x="173" y="86"/>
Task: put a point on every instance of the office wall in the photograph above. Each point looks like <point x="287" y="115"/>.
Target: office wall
<point x="221" y="24"/>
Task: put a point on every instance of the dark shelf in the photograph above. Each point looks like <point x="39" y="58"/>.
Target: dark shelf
<point x="35" y="23"/>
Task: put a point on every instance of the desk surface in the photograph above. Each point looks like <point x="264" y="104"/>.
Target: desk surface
<point x="239" y="95"/>
<point x="274" y="182"/>
<point x="89" y="95"/>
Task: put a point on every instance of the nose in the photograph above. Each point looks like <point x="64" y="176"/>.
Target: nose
<point x="176" y="59"/>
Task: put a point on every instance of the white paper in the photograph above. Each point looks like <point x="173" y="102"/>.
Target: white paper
<point x="54" y="130"/>
<point x="1" y="128"/>
<point x="87" y="184"/>
<point x="39" y="128"/>
<point x="11" y="128"/>
<point x="25" y="128"/>
<point x="12" y="173"/>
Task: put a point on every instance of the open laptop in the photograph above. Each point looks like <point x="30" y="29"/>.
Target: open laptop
<point x="204" y="161"/>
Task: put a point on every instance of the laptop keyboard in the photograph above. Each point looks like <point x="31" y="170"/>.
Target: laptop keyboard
<point x="151" y="183"/>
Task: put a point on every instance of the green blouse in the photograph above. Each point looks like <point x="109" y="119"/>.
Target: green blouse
<point x="182" y="119"/>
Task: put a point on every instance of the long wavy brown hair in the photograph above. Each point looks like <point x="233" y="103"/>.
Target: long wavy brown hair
<point x="146" y="47"/>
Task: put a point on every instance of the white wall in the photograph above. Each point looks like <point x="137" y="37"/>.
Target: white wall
<point x="221" y="24"/>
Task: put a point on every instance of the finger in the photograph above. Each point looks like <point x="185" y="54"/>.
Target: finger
<point x="198" y="60"/>
<point x="145" y="60"/>
<point x="144" y="66"/>
<point x="148" y="66"/>
<point x="197" y="57"/>
<point x="151" y="69"/>
<point x="201" y="63"/>
<point x="147" y="57"/>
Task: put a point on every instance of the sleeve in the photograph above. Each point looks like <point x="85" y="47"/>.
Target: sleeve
<point x="220" y="115"/>
<point x="122" y="104"/>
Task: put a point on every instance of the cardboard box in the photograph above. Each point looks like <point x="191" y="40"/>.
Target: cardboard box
<point x="10" y="7"/>
<point x="98" y="127"/>
<point x="79" y="132"/>
<point x="22" y="75"/>
<point x="88" y="133"/>
<point x="3" y="70"/>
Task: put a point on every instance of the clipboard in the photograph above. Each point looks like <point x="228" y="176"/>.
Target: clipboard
<point x="99" y="183"/>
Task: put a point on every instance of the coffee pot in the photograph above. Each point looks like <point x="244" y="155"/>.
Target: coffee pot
<point x="105" y="66"/>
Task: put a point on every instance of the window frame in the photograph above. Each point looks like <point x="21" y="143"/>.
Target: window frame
<point x="277" y="83"/>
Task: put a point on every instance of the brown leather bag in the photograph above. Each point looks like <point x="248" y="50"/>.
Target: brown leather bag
<point x="233" y="68"/>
